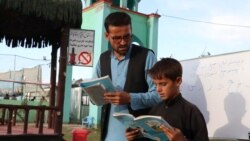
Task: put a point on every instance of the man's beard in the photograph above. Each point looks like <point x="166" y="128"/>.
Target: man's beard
<point x="122" y="50"/>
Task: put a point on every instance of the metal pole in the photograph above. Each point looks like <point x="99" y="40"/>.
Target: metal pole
<point x="13" y="87"/>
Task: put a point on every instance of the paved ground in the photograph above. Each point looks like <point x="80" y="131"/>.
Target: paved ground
<point x="18" y="129"/>
<point x="68" y="130"/>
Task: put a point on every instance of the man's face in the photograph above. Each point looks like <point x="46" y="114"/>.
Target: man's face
<point x="119" y="38"/>
<point x="167" y="88"/>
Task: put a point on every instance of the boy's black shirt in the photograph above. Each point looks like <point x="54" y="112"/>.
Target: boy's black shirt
<point x="182" y="114"/>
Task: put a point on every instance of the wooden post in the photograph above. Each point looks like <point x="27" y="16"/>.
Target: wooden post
<point x="26" y="120"/>
<point x="61" y="80"/>
<point x="41" y="120"/>
<point x="3" y="116"/>
<point x="10" y="121"/>
<point x="14" y="117"/>
<point x="53" y="86"/>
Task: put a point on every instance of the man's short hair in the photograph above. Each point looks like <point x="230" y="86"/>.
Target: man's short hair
<point x="117" y="19"/>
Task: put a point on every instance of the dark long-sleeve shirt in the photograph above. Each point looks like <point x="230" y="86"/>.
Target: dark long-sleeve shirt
<point x="184" y="115"/>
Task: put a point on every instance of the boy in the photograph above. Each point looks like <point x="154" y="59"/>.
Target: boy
<point x="187" y="120"/>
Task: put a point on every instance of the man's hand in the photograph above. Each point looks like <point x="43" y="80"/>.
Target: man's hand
<point x="117" y="98"/>
<point x="174" y="134"/>
<point x="131" y="134"/>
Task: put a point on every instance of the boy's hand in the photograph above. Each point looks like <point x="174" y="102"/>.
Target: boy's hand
<point x="131" y="133"/>
<point x="117" y="98"/>
<point x="174" y="134"/>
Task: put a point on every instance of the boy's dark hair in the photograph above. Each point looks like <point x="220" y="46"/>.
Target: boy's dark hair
<point x="117" y="19"/>
<point x="166" y="68"/>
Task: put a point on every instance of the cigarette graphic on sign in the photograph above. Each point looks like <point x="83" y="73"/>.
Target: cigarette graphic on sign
<point x="84" y="58"/>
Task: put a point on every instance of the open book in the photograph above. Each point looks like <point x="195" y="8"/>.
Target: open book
<point x="148" y="125"/>
<point x="95" y="88"/>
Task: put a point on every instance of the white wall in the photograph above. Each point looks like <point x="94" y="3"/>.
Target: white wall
<point x="220" y="87"/>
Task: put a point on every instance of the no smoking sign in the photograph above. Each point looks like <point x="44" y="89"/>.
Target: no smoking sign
<point x="81" y="47"/>
<point x="85" y="58"/>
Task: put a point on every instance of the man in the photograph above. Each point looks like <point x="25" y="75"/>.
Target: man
<point x="6" y="96"/>
<point x="126" y="64"/>
<point x="186" y="119"/>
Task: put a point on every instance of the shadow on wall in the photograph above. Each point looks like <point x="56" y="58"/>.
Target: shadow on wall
<point x="192" y="88"/>
<point x="235" y="108"/>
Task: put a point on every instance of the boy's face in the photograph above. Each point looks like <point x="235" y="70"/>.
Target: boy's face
<point x="167" y="88"/>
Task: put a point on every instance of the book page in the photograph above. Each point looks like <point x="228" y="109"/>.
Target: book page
<point x="151" y="125"/>
<point x="126" y="118"/>
<point x="105" y="81"/>
<point x="157" y="118"/>
<point x="96" y="94"/>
